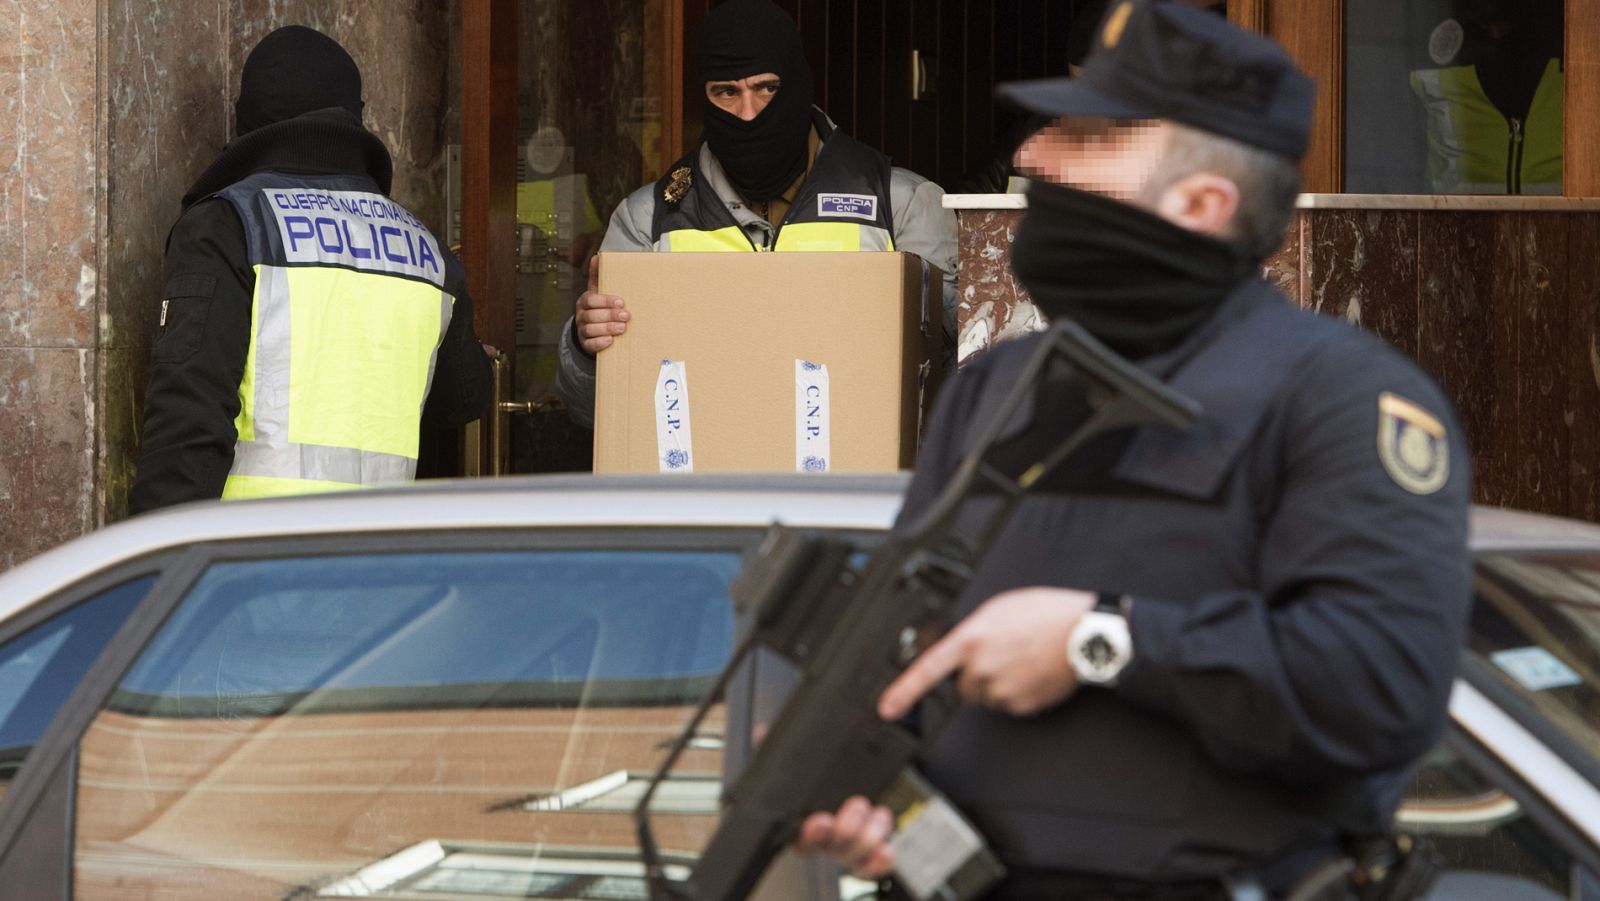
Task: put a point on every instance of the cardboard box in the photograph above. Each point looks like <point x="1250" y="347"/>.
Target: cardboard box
<point x="767" y="362"/>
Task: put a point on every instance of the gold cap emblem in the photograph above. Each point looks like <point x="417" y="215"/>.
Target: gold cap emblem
<point x="1115" y="23"/>
<point x="678" y="185"/>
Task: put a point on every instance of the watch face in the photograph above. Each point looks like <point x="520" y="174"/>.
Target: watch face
<point x="1099" y="652"/>
<point x="1099" y="647"/>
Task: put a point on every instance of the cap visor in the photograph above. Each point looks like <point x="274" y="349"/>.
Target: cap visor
<point x="1067" y="97"/>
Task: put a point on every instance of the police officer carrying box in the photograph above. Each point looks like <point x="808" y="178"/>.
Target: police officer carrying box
<point x="1204" y="657"/>
<point x="773" y="174"/>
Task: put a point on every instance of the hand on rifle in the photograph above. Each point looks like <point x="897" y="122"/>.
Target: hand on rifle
<point x="857" y="837"/>
<point x="1009" y="655"/>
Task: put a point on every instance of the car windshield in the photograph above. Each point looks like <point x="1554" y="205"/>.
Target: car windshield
<point x="1537" y="624"/>
<point x="426" y="725"/>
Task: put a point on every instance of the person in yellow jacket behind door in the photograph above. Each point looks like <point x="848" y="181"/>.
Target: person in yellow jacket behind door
<point x="310" y="326"/>
<point x="1495" y="105"/>
<point x="773" y="174"/>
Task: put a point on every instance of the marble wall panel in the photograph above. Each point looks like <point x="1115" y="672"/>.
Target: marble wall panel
<point x="1531" y="250"/>
<point x="1582" y="353"/>
<point x="51" y="214"/>
<point x="992" y="306"/>
<point x="1286" y="267"/>
<point x="119" y="405"/>
<point x="1499" y="449"/>
<point x="49" y="209"/>
<point x="1363" y="268"/>
<point x="47" y="431"/>
<point x="402" y="48"/>
<point x="168" y="105"/>
<point x="1461" y="345"/>
<point x="1498" y="307"/>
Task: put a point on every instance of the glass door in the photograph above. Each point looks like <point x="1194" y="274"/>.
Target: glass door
<point x="566" y="109"/>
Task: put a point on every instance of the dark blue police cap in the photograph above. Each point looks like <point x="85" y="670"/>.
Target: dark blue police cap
<point x="1155" y="60"/>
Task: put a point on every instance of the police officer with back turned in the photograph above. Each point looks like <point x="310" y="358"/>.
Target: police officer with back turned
<point x="1200" y="658"/>
<point x="310" y="326"/>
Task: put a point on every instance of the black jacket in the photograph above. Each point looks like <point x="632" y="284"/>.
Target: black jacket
<point x="1297" y="610"/>
<point x="198" y="359"/>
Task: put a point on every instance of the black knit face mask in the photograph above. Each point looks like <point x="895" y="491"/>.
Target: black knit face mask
<point x="738" y="40"/>
<point x="293" y="71"/>
<point x="1132" y="279"/>
<point x="764" y="156"/>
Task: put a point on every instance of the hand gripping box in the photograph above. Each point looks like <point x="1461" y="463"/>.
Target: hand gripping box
<point x="767" y="362"/>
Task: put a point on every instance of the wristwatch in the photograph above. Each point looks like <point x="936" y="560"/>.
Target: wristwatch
<point x="1100" y="647"/>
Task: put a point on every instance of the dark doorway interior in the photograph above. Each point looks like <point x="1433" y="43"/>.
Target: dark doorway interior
<point x="865" y="54"/>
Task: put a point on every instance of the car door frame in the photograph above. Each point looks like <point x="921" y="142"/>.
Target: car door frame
<point x="37" y="812"/>
<point x="37" y="797"/>
<point x="80" y="592"/>
<point x="1516" y="758"/>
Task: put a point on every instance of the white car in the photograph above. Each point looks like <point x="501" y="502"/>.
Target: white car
<point x="453" y="691"/>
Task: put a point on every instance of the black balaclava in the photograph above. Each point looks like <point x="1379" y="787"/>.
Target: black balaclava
<point x="1132" y="279"/>
<point x="741" y="38"/>
<point x="293" y="71"/>
<point x="1511" y="44"/>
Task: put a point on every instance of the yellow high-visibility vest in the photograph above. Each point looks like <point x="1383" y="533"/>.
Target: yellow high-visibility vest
<point x="352" y="299"/>
<point x="842" y="206"/>
<point x="1473" y="148"/>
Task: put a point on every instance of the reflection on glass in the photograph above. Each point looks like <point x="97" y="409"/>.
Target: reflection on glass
<point x="1477" y="828"/>
<point x="1454" y="96"/>
<point x="40" y="668"/>
<point x="589" y="132"/>
<point x="440" y="725"/>
<point x="1537" y="623"/>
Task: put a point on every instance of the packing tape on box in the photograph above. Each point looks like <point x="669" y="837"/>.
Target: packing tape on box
<point x="674" y="439"/>
<point x="812" y="435"/>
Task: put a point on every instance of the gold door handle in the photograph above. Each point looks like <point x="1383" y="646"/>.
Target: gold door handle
<point x="499" y="426"/>
<point x="521" y="407"/>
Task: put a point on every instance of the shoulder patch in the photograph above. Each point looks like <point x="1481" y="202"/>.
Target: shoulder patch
<point x="678" y="186"/>
<point x="1413" y="445"/>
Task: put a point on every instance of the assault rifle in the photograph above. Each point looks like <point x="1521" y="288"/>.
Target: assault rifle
<point x="851" y="627"/>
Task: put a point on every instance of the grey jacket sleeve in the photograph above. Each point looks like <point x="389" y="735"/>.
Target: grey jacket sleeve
<point x="629" y="231"/>
<point x="924" y="227"/>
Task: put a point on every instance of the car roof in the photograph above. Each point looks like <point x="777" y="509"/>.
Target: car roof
<point x="1496" y="529"/>
<point x="582" y="501"/>
<point x="576" y="501"/>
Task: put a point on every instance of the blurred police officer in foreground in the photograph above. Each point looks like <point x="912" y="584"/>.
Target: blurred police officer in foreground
<point x="310" y="326"/>
<point x="760" y="181"/>
<point x="1202" y="656"/>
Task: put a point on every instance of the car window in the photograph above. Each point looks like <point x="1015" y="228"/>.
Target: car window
<point x="1476" y="827"/>
<point x="408" y="725"/>
<point x="1536" y="623"/>
<point x="41" y="667"/>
